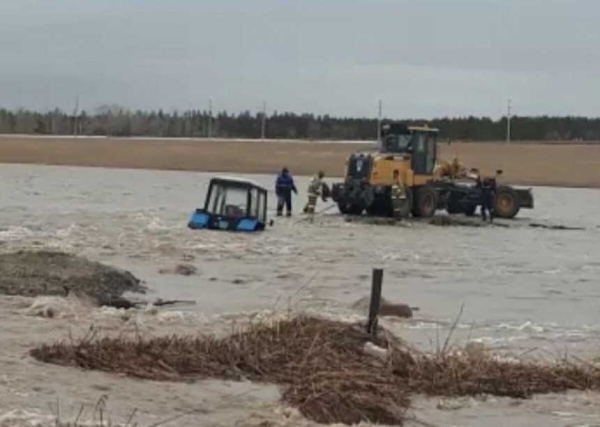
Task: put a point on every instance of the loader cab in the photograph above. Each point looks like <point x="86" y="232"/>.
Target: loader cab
<point x="359" y="166"/>
<point x="420" y="143"/>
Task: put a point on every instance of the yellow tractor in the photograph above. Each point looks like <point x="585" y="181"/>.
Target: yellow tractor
<point x="429" y="185"/>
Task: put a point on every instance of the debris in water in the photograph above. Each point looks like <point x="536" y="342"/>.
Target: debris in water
<point x="554" y="227"/>
<point x="373" y="220"/>
<point x="376" y="351"/>
<point x="180" y="269"/>
<point x="323" y="365"/>
<point x="327" y="375"/>
<point x="386" y="308"/>
<point x="462" y="221"/>
<point x="396" y="310"/>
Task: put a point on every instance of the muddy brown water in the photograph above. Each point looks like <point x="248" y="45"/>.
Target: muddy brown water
<point x="524" y="289"/>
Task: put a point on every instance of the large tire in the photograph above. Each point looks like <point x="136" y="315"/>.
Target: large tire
<point x="425" y="202"/>
<point x="356" y="209"/>
<point x="344" y="208"/>
<point x="453" y="205"/>
<point x="506" y="203"/>
<point x="350" y="209"/>
<point x="470" y="210"/>
<point x="380" y="206"/>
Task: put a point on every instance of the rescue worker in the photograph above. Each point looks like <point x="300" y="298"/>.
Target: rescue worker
<point x="314" y="191"/>
<point x="283" y="189"/>
<point x="398" y="196"/>
<point x="488" y="193"/>
<point x="456" y="169"/>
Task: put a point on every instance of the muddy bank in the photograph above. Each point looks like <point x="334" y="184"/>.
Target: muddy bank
<point x="46" y="273"/>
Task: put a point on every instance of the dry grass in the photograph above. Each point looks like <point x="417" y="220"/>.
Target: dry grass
<point x="324" y="368"/>
<point x="321" y="362"/>
<point x="461" y="373"/>
<point x="527" y="164"/>
<point x="99" y="416"/>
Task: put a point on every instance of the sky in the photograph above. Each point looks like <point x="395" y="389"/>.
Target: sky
<point x="422" y="58"/>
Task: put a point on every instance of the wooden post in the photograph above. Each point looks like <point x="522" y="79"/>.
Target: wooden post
<point x="376" y="283"/>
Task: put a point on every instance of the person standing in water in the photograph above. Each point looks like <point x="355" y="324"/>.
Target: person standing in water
<point x="283" y="189"/>
<point x="399" y="200"/>
<point x="315" y="189"/>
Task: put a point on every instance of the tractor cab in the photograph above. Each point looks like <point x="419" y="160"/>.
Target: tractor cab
<point x="417" y="142"/>
<point x="232" y="204"/>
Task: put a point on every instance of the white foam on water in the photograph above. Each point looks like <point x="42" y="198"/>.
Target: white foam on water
<point x="53" y="307"/>
<point x="528" y="326"/>
<point x="66" y="232"/>
<point x="494" y="341"/>
<point x="155" y="224"/>
<point x="15" y="233"/>
<point x="22" y="418"/>
<point x="171" y="316"/>
<point x="433" y="325"/>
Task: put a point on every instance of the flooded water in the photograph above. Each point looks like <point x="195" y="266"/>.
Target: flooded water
<point x="522" y="289"/>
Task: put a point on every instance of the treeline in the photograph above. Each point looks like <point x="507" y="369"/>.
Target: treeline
<point x="114" y="121"/>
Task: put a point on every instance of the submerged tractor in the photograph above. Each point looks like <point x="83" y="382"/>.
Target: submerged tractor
<point x="232" y="204"/>
<point x="430" y="185"/>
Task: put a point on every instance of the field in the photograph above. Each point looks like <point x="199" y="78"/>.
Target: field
<point x="566" y="165"/>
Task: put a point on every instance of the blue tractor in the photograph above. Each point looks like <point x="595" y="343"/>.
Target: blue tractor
<point x="232" y="204"/>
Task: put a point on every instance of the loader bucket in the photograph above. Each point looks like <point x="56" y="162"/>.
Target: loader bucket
<point x="525" y="198"/>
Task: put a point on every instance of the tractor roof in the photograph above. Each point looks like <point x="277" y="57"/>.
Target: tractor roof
<point x="237" y="181"/>
<point x="401" y="128"/>
<point x="423" y="129"/>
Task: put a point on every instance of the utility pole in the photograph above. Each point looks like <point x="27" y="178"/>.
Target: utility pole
<point x="508" y="122"/>
<point x="263" y="123"/>
<point x="379" y="109"/>
<point x="209" y="133"/>
<point x="75" y="114"/>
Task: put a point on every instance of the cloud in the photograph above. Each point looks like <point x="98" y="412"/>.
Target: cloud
<point x="425" y="58"/>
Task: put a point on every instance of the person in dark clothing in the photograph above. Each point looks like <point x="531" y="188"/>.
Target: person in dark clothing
<point x="488" y="193"/>
<point x="283" y="189"/>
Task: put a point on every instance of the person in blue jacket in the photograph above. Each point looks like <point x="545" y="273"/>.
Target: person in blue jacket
<point x="283" y="188"/>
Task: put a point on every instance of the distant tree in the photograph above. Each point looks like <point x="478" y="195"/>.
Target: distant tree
<point x="112" y="119"/>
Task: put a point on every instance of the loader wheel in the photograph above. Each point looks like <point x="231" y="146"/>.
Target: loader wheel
<point x="356" y="209"/>
<point x="470" y="210"/>
<point x="343" y="208"/>
<point x="453" y="204"/>
<point x="506" y="203"/>
<point x="425" y="202"/>
<point x="350" y="209"/>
